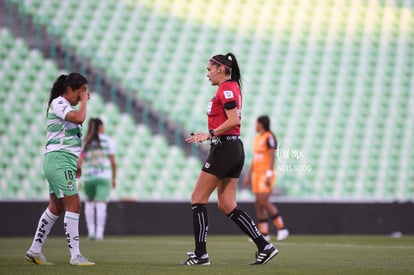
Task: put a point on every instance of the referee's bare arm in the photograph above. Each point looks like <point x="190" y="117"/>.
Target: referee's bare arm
<point x="233" y="120"/>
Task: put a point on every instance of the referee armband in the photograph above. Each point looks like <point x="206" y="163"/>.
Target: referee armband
<point x="230" y="105"/>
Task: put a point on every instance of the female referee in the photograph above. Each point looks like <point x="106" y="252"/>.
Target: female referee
<point x="224" y="163"/>
<point x="98" y="156"/>
<point x="262" y="176"/>
<point x="62" y="150"/>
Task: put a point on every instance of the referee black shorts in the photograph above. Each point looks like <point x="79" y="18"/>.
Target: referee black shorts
<point x="226" y="158"/>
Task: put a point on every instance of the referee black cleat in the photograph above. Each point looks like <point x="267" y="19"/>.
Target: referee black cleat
<point x="263" y="256"/>
<point x="194" y="260"/>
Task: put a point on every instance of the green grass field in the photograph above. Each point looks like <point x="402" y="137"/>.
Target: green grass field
<point x="229" y="255"/>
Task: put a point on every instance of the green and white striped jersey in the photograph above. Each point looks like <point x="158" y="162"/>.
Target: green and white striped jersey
<point x="96" y="162"/>
<point x="62" y="135"/>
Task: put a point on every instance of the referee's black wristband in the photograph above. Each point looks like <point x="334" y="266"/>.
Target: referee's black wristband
<point x="211" y="131"/>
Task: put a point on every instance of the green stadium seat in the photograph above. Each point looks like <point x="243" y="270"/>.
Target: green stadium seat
<point x="323" y="84"/>
<point x="21" y="137"/>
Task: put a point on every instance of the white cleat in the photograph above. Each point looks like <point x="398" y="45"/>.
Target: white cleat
<point x="37" y="258"/>
<point x="80" y="260"/>
<point x="282" y="234"/>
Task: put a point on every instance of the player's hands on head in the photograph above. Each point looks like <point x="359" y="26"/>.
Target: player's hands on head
<point x="197" y="138"/>
<point x="84" y="95"/>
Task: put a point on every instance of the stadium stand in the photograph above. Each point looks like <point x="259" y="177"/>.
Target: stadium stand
<point x="335" y="76"/>
<point x="148" y="167"/>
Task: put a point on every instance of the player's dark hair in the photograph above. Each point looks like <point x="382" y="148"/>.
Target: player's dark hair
<point x="73" y="80"/>
<point x="230" y="64"/>
<point x="265" y="121"/>
<point x="93" y="133"/>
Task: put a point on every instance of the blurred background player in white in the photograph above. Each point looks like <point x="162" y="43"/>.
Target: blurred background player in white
<point x="63" y="146"/>
<point x="99" y="175"/>
<point x="262" y="176"/>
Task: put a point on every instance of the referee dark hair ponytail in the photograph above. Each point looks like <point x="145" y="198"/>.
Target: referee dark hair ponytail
<point x="265" y="121"/>
<point x="73" y="80"/>
<point x="93" y="133"/>
<point x="229" y="61"/>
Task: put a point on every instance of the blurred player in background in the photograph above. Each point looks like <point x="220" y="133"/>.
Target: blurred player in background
<point x="99" y="174"/>
<point x="224" y="163"/>
<point x="262" y="176"/>
<point x="63" y="146"/>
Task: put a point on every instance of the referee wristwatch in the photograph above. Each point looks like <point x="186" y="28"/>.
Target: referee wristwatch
<point x="211" y="131"/>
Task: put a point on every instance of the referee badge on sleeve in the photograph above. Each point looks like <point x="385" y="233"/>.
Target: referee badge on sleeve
<point x="228" y="94"/>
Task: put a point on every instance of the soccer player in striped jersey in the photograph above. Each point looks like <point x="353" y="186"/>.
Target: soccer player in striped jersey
<point x="62" y="150"/>
<point x="263" y="176"/>
<point x="99" y="174"/>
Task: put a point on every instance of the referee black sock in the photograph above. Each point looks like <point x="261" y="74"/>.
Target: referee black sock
<point x="200" y="227"/>
<point x="248" y="226"/>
